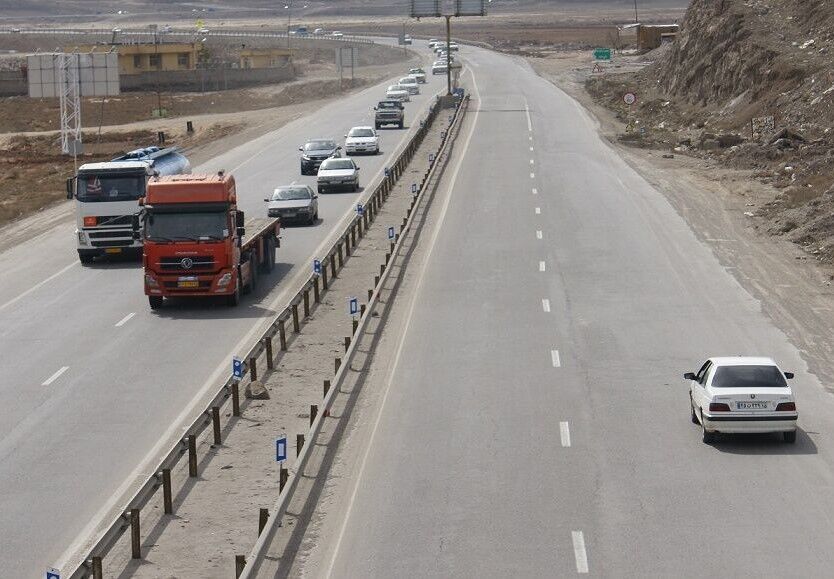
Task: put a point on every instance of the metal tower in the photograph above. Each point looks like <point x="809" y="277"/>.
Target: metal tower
<point x="67" y="66"/>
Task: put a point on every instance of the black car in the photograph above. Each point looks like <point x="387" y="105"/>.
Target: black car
<point x="316" y="151"/>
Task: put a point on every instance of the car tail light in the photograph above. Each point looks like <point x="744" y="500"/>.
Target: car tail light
<point x="90" y="221"/>
<point x="718" y="407"/>
<point x="786" y="407"/>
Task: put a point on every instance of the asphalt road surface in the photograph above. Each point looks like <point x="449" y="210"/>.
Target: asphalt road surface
<point x="537" y="423"/>
<point x="92" y="379"/>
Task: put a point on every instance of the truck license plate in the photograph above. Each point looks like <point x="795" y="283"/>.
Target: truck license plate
<point x="188" y="283"/>
<point x="113" y="250"/>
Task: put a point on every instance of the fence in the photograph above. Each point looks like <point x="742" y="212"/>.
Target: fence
<point x="289" y="320"/>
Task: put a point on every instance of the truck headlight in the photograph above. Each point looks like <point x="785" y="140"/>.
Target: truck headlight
<point x="82" y="238"/>
<point x="150" y="281"/>
<point x="224" y="279"/>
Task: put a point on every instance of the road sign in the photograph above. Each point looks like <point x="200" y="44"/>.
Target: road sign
<point x="360" y="209"/>
<point x="53" y="574"/>
<point x="431" y="157"/>
<point x="414" y="188"/>
<point x="353" y="306"/>
<point x="387" y="172"/>
<point x="425" y="8"/>
<point x="391" y="233"/>
<point x="317" y="267"/>
<point x="602" y="54"/>
<point x="237" y="368"/>
<point x="281" y="449"/>
<point x="629" y="98"/>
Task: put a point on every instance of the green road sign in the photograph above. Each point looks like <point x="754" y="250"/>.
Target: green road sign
<point x="602" y="54"/>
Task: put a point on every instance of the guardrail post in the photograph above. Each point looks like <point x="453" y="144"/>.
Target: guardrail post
<point x="355" y="326"/>
<point x="235" y="398"/>
<point x="167" y="500"/>
<point x="333" y="265"/>
<point x="253" y="368"/>
<point x="339" y="253"/>
<point x="316" y="294"/>
<point x="347" y="343"/>
<point x="314" y="411"/>
<point x="263" y="516"/>
<point x="307" y="303"/>
<point x="353" y="234"/>
<point x="192" y="455"/>
<point x="376" y="281"/>
<point x="382" y="267"/>
<point x="370" y="294"/>
<point x="268" y="344"/>
<point x="337" y="364"/>
<point x="283" y="475"/>
<point x="97" y="569"/>
<point x="299" y="443"/>
<point x="326" y="388"/>
<point x="296" y="327"/>
<point x="240" y="565"/>
<point x="282" y="335"/>
<point x="135" y="539"/>
<point x="324" y="276"/>
<point x="362" y="311"/>
<point x="215" y="422"/>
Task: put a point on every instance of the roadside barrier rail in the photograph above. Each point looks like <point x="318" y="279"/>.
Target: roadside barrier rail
<point x="224" y="32"/>
<point x="247" y="566"/>
<point x="289" y="320"/>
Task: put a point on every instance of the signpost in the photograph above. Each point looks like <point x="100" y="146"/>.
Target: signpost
<point x="237" y="368"/>
<point x="602" y="54"/>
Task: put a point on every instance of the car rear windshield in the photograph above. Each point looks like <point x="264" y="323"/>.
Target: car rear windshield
<point x="291" y="194"/>
<point x="320" y="145"/>
<point x="748" y="377"/>
<point x="337" y="164"/>
<point x="361" y="133"/>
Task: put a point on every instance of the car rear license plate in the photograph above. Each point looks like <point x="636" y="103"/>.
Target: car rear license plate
<point x="113" y="250"/>
<point x="288" y="215"/>
<point x="751" y="405"/>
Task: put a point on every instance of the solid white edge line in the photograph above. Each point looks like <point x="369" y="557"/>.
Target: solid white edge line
<point x="40" y="284"/>
<point x="125" y="319"/>
<point x="564" y="432"/>
<point x="546" y="305"/>
<point x="555" y="359"/>
<point x="579" y="551"/>
<point x="538" y="234"/>
<point x="55" y="376"/>
<point x="542" y="266"/>
<point x="404" y="332"/>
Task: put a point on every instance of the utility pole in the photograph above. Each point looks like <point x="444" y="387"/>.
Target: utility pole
<point x="289" y="21"/>
<point x="636" y="21"/>
<point x="448" y="55"/>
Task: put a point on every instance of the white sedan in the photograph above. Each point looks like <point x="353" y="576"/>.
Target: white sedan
<point x="362" y="140"/>
<point x="338" y="174"/>
<point x="742" y="395"/>
<point x="410" y="84"/>
<point x="397" y="93"/>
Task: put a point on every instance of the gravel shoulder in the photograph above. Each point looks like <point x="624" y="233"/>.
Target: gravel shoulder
<point x="720" y="204"/>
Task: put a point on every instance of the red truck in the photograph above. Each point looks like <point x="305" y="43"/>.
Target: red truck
<point x="198" y="243"/>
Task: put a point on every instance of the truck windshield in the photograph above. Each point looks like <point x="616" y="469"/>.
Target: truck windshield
<point x="196" y="226"/>
<point x="92" y="188"/>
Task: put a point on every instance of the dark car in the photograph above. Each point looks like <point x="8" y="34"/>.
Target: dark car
<point x="316" y="151"/>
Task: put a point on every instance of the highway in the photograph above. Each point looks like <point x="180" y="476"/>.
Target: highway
<point x="93" y="381"/>
<point x="536" y="423"/>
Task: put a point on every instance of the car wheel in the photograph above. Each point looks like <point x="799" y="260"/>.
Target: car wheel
<point x="789" y="437"/>
<point x="156" y="302"/>
<point x="693" y="417"/>
<point x="320" y="190"/>
<point x="707" y="436"/>
<point x="311" y="219"/>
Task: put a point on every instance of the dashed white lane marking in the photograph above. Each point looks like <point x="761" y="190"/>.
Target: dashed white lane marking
<point x="535" y="191"/>
<point x="532" y="175"/>
<point x="125" y="319"/>
<point x="579" y="551"/>
<point x="554" y="358"/>
<point x="542" y="266"/>
<point x="531" y="138"/>
<point x="546" y="305"/>
<point x="538" y="210"/>
<point x="531" y="148"/>
<point x="55" y="376"/>
<point x="564" y="431"/>
<point x="532" y="161"/>
<point x="39" y="284"/>
<point x="529" y="120"/>
<point x="538" y="234"/>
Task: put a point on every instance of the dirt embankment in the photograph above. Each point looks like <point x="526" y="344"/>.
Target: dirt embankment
<point x="749" y="85"/>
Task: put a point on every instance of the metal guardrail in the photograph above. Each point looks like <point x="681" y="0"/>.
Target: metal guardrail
<point x="129" y="517"/>
<point x="279" y="509"/>
<point x="349" y="39"/>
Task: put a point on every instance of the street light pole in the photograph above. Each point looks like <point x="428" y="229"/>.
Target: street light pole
<point x="448" y="55"/>
<point x="289" y="21"/>
<point x="636" y="20"/>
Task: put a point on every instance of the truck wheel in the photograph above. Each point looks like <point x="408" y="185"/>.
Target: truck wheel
<point x="155" y="302"/>
<point x="269" y="262"/>
<point x="234" y="299"/>
<point x="377" y="126"/>
<point x="400" y="124"/>
<point x="85" y="258"/>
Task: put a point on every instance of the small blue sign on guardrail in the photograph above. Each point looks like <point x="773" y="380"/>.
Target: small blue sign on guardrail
<point x="360" y="209"/>
<point x="53" y="574"/>
<point x="391" y="234"/>
<point x="414" y="188"/>
<point x="237" y="368"/>
<point x="317" y="267"/>
<point x="353" y="306"/>
<point x="281" y="449"/>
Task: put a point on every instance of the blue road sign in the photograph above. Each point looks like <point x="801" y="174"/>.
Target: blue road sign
<point x="414" y="188"/>
<point x="53" y="574"/>
<point x="317" y="267"/>
<point x="431" y="157"/>
<point x="391" y="233"/>
<point x="387" y="172"/>
<point x="360" y="209"/>
<point x="281" y="449"/>
<point x="237" y="368"/>
<point x="353" y="306"/>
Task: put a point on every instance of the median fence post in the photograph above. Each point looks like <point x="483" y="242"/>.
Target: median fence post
<point x="240" y="565"/>
<point x="316" y="293"/>
<point x="324" y="275"/>
<point x="97" y="568"/>
<point x="167" y="499"/>
<point x="282" y="332"/>
<point x="337" y="364"/>
<point x="215" y="422"/>
<point x="347" y="343"/>
<point x="339" y="253"/>
<point x="314" y="411"/>
<point x="283" y="475"/>
<point x="296" y="327"/>
<point x="299" y="443"/>
<point x="192" y="455"/>
<point x="235" y="398"/>
<point x="263" y="516"/>
<point x="268" y="344"/>
<point x="135" y="538"/>
<point x="253" y="368"/>
<point x="306" y="302"/>
<point x="326" y="388"/>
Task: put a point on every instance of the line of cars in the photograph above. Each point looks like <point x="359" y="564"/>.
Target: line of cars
<point x="445" y="59"/>
<point x="323" y="157"/>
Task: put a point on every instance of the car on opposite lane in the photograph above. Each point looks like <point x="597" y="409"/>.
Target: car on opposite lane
<point x="294" y="203"/>
<point x="315" y="151"/>
<point x="338" y="174"/>
<point x="439" y="67"/>
<point x="742" y="395"/>
<point x="362" y="140"/>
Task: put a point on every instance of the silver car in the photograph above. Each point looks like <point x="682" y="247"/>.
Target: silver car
<point x="294" y="203"/>
<point x="340" y="173"/>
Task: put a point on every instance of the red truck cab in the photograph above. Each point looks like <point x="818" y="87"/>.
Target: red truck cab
<point x="196" y="241"/>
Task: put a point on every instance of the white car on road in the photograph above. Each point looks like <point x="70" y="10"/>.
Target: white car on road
<point x="742" y="395"/>
<point x="362" y="140"/>
<point x="419" y="74"/>
<point x="410" y="84"/>
<point x="439" y="68"/>
<point x="338" y="174"/>
<point x="397" y="93"/>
